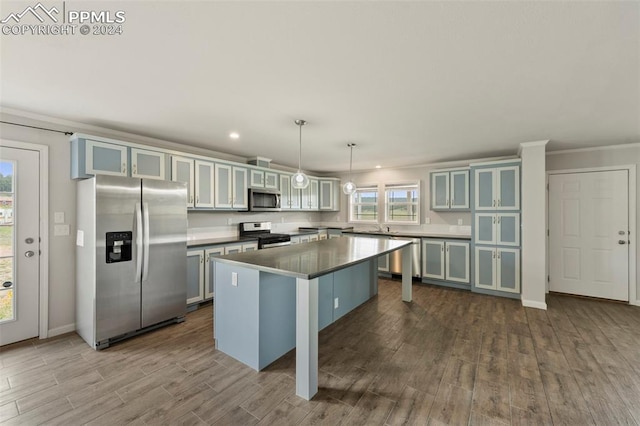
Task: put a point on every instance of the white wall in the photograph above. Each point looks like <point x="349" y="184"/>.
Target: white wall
<point x="62" y="198"/>
<point x="617" y="156"/>
<point x="404" y="175"/>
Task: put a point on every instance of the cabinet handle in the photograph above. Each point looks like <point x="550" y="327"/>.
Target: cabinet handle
<point x="207" y="258"/>
<point x="494" y="219"/>
<point x="447" y="249"/>
<point x="494" y="254"/>
<point x="494" y="203"/>
<point x="441" y="248"/>
<point x="498" y="255"/>
<point x="498" y="219"/>
<point x="197" y="199"/>
<point x="499" y="202"/>
<point x="191" y="199"/>
<point x="124" y="167"/>
<point x="135" y="169"/>
<point x="202" y="260"/>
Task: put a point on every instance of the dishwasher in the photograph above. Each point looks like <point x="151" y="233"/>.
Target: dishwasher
<point x="395" y="258"/>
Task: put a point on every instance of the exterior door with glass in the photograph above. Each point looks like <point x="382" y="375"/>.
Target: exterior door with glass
<point x="19" y="244"/>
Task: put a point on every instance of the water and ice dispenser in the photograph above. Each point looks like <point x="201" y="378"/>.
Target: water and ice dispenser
<point x="119" y="246"/>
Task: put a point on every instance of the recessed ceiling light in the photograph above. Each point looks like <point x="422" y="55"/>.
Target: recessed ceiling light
<point x="378" y="166"/>
<point x="234" y="135"/>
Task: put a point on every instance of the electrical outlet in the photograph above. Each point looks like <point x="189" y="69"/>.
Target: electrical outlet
<point x="60" y="230"/>
<point x="336" y="303"/>
<point x="234" y="279"/>
<point x="459" y="221"/>
<point x="427" y="220"/>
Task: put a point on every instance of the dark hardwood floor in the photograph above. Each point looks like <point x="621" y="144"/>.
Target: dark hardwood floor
<point x="450" y="357"/>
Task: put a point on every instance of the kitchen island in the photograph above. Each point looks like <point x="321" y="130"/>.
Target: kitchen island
<point x="268" y="302"/>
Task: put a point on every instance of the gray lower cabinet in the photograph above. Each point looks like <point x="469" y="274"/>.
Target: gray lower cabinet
<point x="497" y="269"/>
<point x="445" y="260"/>
<point x="199" y="268"/>
<point x="195" y="276"/>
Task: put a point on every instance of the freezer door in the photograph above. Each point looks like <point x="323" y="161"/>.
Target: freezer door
<point x="164" y="271"/>
<point x="117" y="304"/>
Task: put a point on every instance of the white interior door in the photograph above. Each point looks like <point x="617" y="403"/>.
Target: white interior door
<point x="589" y="234"/>
<point x="19" y="244"/>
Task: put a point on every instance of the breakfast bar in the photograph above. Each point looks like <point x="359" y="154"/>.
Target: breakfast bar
<point x="268" y="302"/>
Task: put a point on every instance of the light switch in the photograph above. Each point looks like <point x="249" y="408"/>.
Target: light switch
<point x="58" y="217"/>
<point x="336" y="303"/>
<point x="234" y="279"/>
<point x="60" y="230"/>
<point x="80" y="238"/>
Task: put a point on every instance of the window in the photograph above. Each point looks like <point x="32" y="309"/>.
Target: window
<point x="402" y="203"/>
<point x="363" y="205"/>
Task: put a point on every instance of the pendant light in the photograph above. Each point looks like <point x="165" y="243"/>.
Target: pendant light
<point x="299" y="180"/>
<point x="350" y="187"/>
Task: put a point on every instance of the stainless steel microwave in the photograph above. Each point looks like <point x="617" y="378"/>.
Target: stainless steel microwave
<point x="264" y="200"/>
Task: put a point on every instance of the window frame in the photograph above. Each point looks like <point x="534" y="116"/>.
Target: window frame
<point x="352" y="204"/>
<point x="415" y="185"/>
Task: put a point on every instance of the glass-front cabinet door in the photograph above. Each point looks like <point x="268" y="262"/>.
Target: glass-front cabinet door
<point x="106" y="159"/>
<point x="271" y="180"/>
<point x="485" y="271"/>
<point x="182" y="171"/>
<point x="222" y="193"/>
<point x="440" y="190"/>
<point x="508" y="188"/>
<point x="508" y="229"/>
<point x="208" y="272"/>
<point x="433" y="259"/>
<point x="147" y="164"/>
<point x="204" y="184"/>
<point x="240" y="188"/>
<point x="508" y="266"/>
<point x="484" y="189"/>
<point x="459" y="189"/>
<point x="195" y="276"/>
<point x="457" y="261"/>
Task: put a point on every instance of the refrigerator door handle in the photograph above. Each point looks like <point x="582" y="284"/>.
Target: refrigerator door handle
<point x="145" y="268"/>
<point x="139" y="250"/>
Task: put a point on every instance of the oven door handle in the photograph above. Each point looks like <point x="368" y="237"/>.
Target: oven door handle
<point x="282" y="244"/>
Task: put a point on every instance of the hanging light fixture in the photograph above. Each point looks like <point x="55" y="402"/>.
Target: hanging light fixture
<point x="350" y="187"/>
<point x="299" y="180"/>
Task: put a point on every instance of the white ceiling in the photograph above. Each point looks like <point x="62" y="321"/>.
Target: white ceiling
<point x="409" y="82"/>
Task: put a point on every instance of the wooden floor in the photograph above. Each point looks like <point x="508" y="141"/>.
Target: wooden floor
<point x="450" y="357"/>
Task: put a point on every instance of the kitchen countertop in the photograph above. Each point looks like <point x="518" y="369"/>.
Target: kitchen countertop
<point x="411" y="234"/>
<point x="322" y="228"/>
<point x="219" y="240"/>
<point x="316" y="258"/>
<point x="301" y="231"/>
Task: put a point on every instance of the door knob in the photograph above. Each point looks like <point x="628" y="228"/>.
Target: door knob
<point x="7" y="284"/>
<point x="29" y="254"/>
<point x="622" y="242"/>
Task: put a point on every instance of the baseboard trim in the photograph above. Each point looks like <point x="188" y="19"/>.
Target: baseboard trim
<point x="534" y="304"/>
<point x="62" y="330"/>
<point x="636" y="303"/>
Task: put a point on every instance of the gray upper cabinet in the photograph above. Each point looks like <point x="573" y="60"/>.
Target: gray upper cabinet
<point x="204" y="184"/>
<point x="285" y="191"/>
<point x="263" y="179"/>
<point x="89" y="158"/>
<point x="230" y="187"/>
<point x="310" y="195"/>
<point x="450" y="190"/>
<point x="329" y="194"/>
<point x="497" y="188"/>
<point x="182" y="171"/>
<point x="147" y="164"/>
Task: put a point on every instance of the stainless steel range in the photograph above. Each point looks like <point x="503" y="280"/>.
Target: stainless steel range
<point x="262" y="231"/>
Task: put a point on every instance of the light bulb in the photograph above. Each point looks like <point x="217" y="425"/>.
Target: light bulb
<point x="299" y="180"/>
<point x="349" y="188"/>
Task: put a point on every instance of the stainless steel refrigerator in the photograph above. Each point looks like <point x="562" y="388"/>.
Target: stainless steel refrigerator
<point x="131" y="262"/>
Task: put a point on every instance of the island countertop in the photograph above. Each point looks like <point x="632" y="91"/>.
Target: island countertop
<point x="314" y="259"/>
